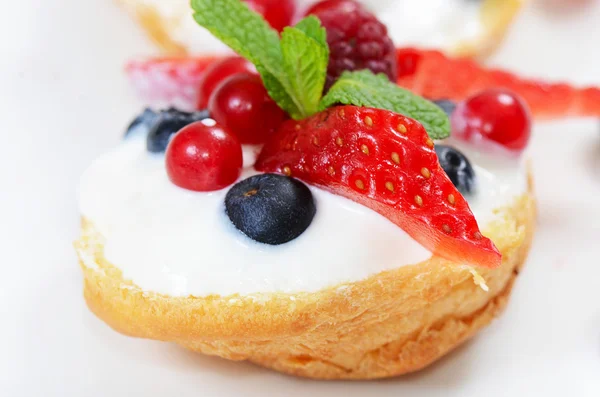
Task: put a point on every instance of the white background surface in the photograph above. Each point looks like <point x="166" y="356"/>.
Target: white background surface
<point x="64" y="100"/>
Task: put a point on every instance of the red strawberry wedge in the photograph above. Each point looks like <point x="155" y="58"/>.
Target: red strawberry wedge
<point x="168" y="81"/>
<point x="386" y="162"/>
<point x="434" y="75"/>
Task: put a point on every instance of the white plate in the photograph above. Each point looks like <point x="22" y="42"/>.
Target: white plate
<point x="64" y="100"/>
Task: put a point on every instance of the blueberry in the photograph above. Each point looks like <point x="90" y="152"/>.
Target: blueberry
<point x="447" y="105"/>
<point x="144" y="121"/>
<point x="270" y="208"/>
<point x="457" y="167"/>
<point x="166" y="124"/>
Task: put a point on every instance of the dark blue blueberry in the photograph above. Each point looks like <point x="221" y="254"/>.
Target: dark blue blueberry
<point x="167" y="123"/>
<point x="447" y="105"/>
<point x="143" y="122"/>
<point x="270" y="208"/>
<point x="457" y="167"/>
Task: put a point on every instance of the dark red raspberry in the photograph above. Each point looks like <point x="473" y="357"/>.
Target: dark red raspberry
<point x="357" y="39"/>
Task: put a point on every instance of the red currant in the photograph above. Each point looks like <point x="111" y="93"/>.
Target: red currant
<point x="203" y="158"/>
<point x="279" y="13"/>
<point x="216" y="73"/>
<point x="497" y="115"/>
<point x="241" y="104"/>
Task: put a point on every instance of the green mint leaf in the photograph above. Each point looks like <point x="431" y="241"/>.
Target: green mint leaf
<point x="277" y="91"/>
<point x="248" y="34"/>
<point x="363" y="88"/>
<point x="311" y="26"/>
<point x="305" y="63"/>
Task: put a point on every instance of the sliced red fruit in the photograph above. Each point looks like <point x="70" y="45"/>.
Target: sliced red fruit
<point x="168" y="81"/>
<point x="434" y="75"/>
<point x="386" y="162"/>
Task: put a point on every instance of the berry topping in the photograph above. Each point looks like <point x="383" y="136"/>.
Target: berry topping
<point x="408" y="61"/>
<point x="496" y="115"/>
<point x="143" y="122"/>
<point x="457" y="167"/>
<point x="166" y="124"/>
<point x="216" y="73"/>
<point x="386" y="162"/>
<point x="433" y="75"/>
<point x="293" y="64"/>
<point x="447" y="105"/>
<point x="269" y="208"/>
<point x="241" y="104"/>
<point x="357" y="39"/>
<point x="278" y="13"/>
<point x="203" y="158"/>
<point x="172" y="81"/>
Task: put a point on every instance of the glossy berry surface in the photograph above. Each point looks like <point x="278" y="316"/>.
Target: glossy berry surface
<point x="432" y="74"/>
<point x="495" y="115"/>
<point x="143" y="122"/>
<point x="357" y="39"/>
<point x="171" y="80"/>
<point x="386" y="162"/>
<point x="447" y="105"/>
<point x="269" y="208"/>
<point x="217" y="72"/>
<point x="167" y="123"/>
<point x="279" y="13"/>
<point x="203" y="158"/>
<point x="457" y="167"/>
<point x="241" y="104"/>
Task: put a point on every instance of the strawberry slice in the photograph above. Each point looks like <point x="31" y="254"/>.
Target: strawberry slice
<point x="434" y="75"/>
<point x="168" y="81"/>
<point x="386" y="162"/>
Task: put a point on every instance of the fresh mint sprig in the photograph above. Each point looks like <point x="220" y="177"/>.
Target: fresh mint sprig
<point x="248" y="34"/>
<point x="294" y="67"/>
<point x="291" y="71"/>
<point x="305" y="55"/>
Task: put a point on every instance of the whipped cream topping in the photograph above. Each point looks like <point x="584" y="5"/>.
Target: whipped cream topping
<point x="178" y="242"/>
<point x="422" y="23"/>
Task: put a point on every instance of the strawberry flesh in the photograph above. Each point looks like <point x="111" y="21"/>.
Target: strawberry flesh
<point x="433" y="75"/>
<point x="385" y="162"/>
<point x="168" y="81"/>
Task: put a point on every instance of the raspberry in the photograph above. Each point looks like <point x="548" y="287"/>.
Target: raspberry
<point x="357" y="40"/>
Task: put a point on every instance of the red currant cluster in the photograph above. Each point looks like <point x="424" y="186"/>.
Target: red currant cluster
<point x="204" y="157"/>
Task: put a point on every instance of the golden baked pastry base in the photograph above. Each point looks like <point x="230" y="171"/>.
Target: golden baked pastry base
<point x="496" y="18"/>
<point x="395" y="322"/>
